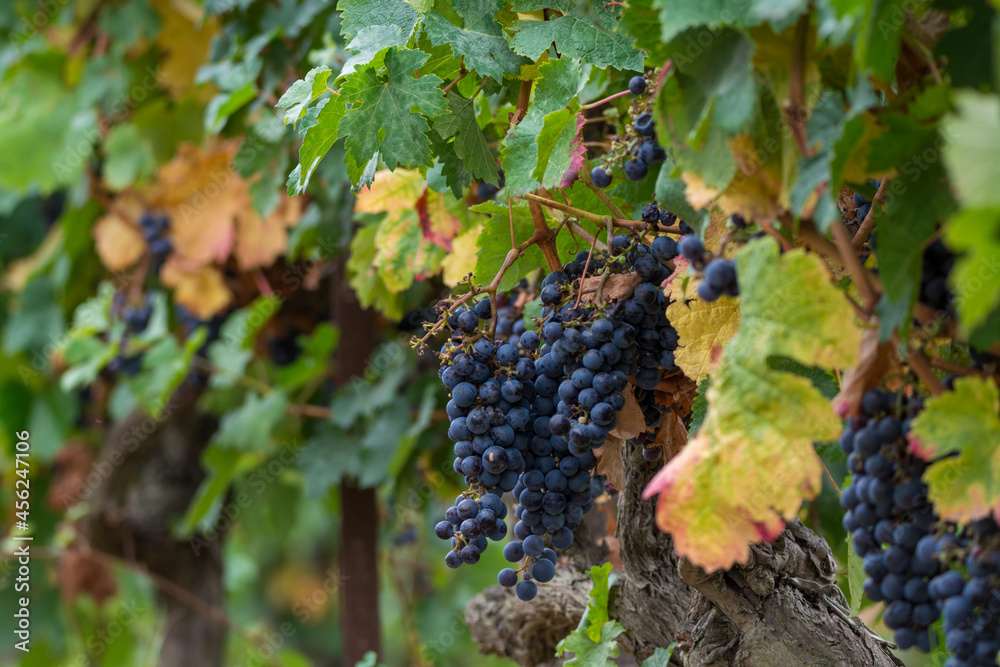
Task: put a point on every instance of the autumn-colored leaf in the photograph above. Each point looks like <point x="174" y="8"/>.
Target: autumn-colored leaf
<point x="873" y="364"/>
<point x="703" y="329"/>
<point x="965" y="421"/>
<point x="698" y="194"/>
<point x="203" y="196"/>
<point x="202" y="290"/>
<point x="436" y="221"/>
<point x="461" y="261"/>
<point x="185" y="39"/>
<point x="119" y="243"/>
<point x="672" y="436"/>
<point x="391" y="192"/>
<point x="756" y="190"/>
<point x="609" y="461"/>
<point x="631" y="421"/>
<point x="618" y="286"/>
<point x="260" y="242"/>
<point x="753" y="462"/>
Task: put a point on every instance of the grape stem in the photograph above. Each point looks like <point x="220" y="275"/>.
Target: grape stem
<point x="594" y="217"/>
<point x="546" y="238"/>
<point x="869" y="295"/>
<point x="921" y="366"/>
<point x="609" y="98"/>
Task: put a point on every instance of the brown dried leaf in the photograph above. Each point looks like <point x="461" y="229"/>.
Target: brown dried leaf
<point x="81" y="570"/>
<point x="873" y="364"/>
<point x="609" y="462"/>
<point x="618" y="286"/>
<point x="203" y="291"/>
<point x="672" y="435"/>
<point x="630" y="419"/>
<point x="71" y="465"/>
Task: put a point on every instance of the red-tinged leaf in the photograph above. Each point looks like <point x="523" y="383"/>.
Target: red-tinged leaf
<point x="436" y="221"/>
<point x="577" y="153"/>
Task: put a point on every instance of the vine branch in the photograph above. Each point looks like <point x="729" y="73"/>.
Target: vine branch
<point x="869" y="222"/>
<point x="853" y="265"/>
<point x="622" y="223"/>
<point x="795" y="109"/>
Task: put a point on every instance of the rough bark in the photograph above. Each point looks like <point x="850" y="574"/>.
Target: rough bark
<point x="782" y="608"/>
<point x="149" y="472"/>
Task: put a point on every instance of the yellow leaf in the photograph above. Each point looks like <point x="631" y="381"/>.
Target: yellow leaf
<point x="703" y="330"/>
<point x="391" y="192"/>
<point x="461" y="261"/>
<point x="697" y="193"/>
<point x="756" y="190"/>
<point x="119" y="242"/>
<point x="185" y="39"/>
<point x="201" y="290"/>
<point x="203" y="196"/>
<point x="260" y="242"/>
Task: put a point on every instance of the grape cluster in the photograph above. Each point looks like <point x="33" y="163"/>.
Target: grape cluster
<point x="136" y="318"/>
<point x="154" y="228"/>
<point x="938" y="262"/>
<point x="889" y="517"/>
<point x="970" y="602"/>
<point x="527" y="413"/>
<point x="719" y="273"/>
<point x="640" y="145"/>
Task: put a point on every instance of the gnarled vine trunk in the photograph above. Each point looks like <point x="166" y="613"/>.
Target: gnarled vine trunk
<point x="782" y="608"/>
<point x="149" y="471"/>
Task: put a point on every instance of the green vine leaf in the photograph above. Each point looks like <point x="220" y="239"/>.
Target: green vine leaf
<point x="359" y="14"/>
<point x="470" y="143"/>
<point x="965" y="421"/>
<point x="576" y="35"/>
<point x="481" y="42"/>
<point x="558" y="83"/>
<point x="594" y="642"/>
<point x="494" y="243"/>
<point x="381" y="118"/>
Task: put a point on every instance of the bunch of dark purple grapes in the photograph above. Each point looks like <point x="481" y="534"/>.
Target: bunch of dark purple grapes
<point x="889" y="516"/>
<point x="643" y="148"/>
<point x="527" y="413"/>
<point x="719" y="272"/>
<point x="154" y="228"/>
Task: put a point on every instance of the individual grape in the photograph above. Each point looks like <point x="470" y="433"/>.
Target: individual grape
<point x="533" y="546"/>
<point x="645" y="125"/>
<point x="635" y="169"/>
<point x="637" y="85"/>
<point x="486" y="191"/>
<point x="526" y="590"/>
<point x="543" y="570"/>
<point x="507" y="578"/>
<point x="663" y="249"/>
<point x="706" y="292"/>
<point x="600" y="177"/>
<point x="444" y="530"/>
<point x="692" y="248"/>
<point x="721" y="274"/>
